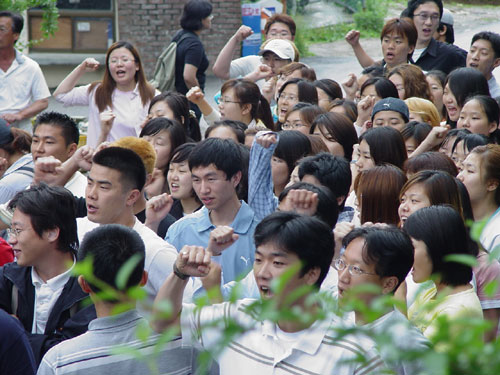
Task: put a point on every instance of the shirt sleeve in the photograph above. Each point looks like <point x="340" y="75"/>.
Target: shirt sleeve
<point x="161" y="266"/>
<point x="261" y="196"/>
<point x="77" y="96"/>
<point x="245" y="288"/>
<point x="172" y="236"/>
<point x="204" y="326"/>
<point x="212" y="117"/>
<point x="39" y="88"/>
<point x="194" y="53"/>
<point x="11" y="184"/>
<point x="242" y="66"/>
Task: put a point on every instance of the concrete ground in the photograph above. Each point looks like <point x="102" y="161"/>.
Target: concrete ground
<point x="335" y="60"/>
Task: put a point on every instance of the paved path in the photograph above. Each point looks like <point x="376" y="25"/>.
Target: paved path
<point x="337" y="60"/>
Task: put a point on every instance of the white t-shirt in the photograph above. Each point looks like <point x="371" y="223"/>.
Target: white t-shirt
<point x="160" y="255"/>
<point x="21" y="85"/>
<point x="245" y="65"/>
<point x="77" y="185"/>
<point x="127" y="107"/>
<point x="417" y="53"/>
<point x="490" y="236"/>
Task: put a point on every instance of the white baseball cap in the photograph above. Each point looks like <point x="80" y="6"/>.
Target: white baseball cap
<point x="447" y="17"/>
<point x="281" y="47"/>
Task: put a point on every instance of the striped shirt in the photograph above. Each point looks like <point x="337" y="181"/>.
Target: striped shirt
<point x="259" y="350"/>
<point x="95" y="352"/>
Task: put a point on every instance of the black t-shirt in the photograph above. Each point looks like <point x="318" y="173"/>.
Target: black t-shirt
<point x="189" y="51"/>
<point x="441" y="56"/>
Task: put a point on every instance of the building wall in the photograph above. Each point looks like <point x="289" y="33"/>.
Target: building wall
<point x="150" y="25"/>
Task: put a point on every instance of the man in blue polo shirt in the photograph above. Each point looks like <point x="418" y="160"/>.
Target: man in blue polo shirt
<point x="216" y="168"/>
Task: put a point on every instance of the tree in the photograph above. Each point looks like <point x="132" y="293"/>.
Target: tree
<point x="50" y="14"/>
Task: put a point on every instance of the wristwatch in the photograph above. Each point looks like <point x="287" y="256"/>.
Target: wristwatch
<point x="179" y="274"/>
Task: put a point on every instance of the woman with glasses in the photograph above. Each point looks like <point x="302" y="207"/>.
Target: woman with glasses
<point x="240" y="100"/>
<point x="120" y="101"/>
<point x="293" y="91"/>
<point x="301" y="117"/>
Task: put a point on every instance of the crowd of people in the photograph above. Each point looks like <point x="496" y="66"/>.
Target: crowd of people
<point x="300" y="191"/>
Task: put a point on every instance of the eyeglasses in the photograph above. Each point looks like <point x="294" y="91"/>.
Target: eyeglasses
<point x="425" y="16"/>
<point x="292" y="98"/>
<point x="340" y="265"/>
<point x="14" y="232"/>
<point x="124" y="60"/>
<point x="290" y="126"/>
<point x="225" y="101"/>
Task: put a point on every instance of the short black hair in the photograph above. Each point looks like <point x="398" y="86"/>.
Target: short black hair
<point x="307" y="92"/>
<point x="237" y="127"/>
<point x="174" y="129"/>
<point x="50" y="207"/>
<point x="383" y="86"/>
<point x="491" y="37"/>
<point x="417" y="130"/>
<point x="292" y="146"/>
<point x="373" y="71"/>
<point x="225" y="154"/>
<point x="414" y="4"/>
<point x="182" y="152"/>
<point x="110" y="246"/>
<point x="386" y="145"/>
<point x="194" y="12"/>
<point x="305" y="236"/>
<point x="330" y="87"/>
<point x="443" y="231"/>
<point x="68" y="126"/>
<point x="388" y="247"/>
<point x="450" y="32"/>
<point x="328" y="209"/>
<point x="17" y="21"/>
<point x="331" y="171"/>
<point x="465" y="82"/>
<point x="126" y="162"/>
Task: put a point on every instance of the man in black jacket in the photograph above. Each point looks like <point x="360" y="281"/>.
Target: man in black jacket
<point x="39" y="288"/>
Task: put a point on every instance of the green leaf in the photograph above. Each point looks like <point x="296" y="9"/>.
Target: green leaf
<point x="143" y="331"/>
<point x="126" y="270"/>
<point x="476" y="228"/>
<point x="137" y="293"/>
<point x="491" y="288"/>
<point x="84" y="268"/>
<point x="468" y="260"/>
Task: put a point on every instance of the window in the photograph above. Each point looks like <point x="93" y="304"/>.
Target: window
<point x="84" y="26"/>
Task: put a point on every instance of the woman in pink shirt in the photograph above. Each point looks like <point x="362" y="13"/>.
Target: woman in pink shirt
<point x="120" y="101"/>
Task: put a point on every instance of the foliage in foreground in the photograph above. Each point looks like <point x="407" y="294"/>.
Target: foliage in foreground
<point x="50" y="15"/>
<point x="458" y="348"/>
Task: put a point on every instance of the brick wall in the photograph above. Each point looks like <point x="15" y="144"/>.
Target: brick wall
<point x="150" y="25"/>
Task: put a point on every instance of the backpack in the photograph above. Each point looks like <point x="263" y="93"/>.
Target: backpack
<point x="164" y="74"/>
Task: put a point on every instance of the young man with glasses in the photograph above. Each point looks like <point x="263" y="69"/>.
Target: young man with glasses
<point x="279" y="26"/>
<point x="381" y="256"/>
<point x="286" y="243"/>
<point x="39" y="288"/>
<point x="429" y="54"/>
